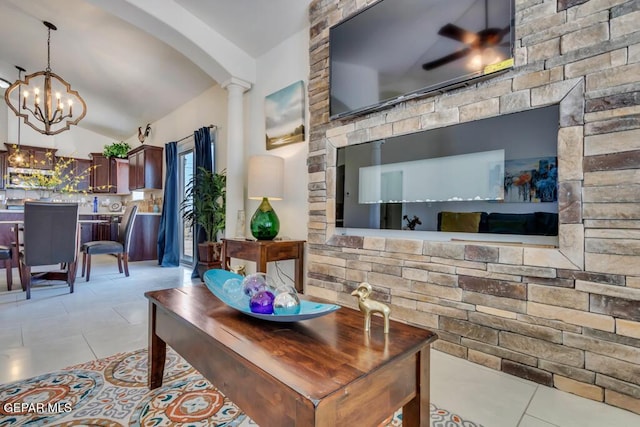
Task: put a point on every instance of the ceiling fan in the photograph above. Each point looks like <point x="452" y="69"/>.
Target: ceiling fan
<point x="476" y="42"/>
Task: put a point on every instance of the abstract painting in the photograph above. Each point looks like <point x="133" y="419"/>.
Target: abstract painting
<point x="284" y="112"/>
<point x="531" y="180"/>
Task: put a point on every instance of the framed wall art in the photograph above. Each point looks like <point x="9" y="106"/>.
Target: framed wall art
<point x="284" y="115"/>
<point x="531" y="180"/>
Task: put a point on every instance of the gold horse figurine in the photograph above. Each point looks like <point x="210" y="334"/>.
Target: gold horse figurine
<point x="369" y="307"/>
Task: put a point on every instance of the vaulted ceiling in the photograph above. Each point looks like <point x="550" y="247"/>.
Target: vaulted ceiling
<point x="134" y="61"/>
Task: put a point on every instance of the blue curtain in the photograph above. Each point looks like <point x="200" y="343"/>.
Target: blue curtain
<point x="168" y="238"/>
<point x="204" y="144"/>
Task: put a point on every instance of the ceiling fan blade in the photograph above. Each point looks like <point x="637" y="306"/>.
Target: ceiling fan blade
<point x="504" y="32"/>
<point x="446" y="59"/>
<point x="456" y="33"/>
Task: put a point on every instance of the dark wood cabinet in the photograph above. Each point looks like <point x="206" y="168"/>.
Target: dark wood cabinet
<point x="145" y="168"/>
<point x="31" y="157"/>
<point x="76" y="171"/>
<point x="109" y="174"/>
<point x="144" y="238"/>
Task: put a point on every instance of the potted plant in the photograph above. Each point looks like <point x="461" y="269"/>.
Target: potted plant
<point x="117" y="149"/>
<point x="205" y="205"/>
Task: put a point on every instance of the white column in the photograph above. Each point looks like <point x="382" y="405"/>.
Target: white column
<point x="236" y="174"/>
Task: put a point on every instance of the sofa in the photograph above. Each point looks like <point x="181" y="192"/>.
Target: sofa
<point x="533" y="224"/>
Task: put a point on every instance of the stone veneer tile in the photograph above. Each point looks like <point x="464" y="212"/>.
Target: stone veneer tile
<point x="574" y="317"/>
<point x="612" y="264"/>
<point x="481" y="253"/>
<point x="613" y="367"/>
<point x="570" y="153"/>
<point x="633" y="282"/>
<point x="613" y="77"/>
<point x="552" y="93"/>
<point x="480" y="110"/>
<point x="443" y="250"/>
<point x="487" y="274"/>
<point x="571" y="241"/>
<point x="542" y="349"/>
<point x="618" y="385"/>
<point x="592" y="35"/>
<point x="605" y="348"/>
<point x="625" y="24"/>
<point x="431" y="289"/>
<point x="488" y="360"/>
<point x="551" y="258"/>
<point x="373" y="243"/>
<point x="617" y="307"/>
<point x="612" y="142"/>
<point x="404" y="246"/>
<point x="622" y="401"/>
<point x="562" y="297"/>
<point x="503" y="324"/>
<point x="608" y="290"/>
<point x="500" y="352"/>
<point x="496" y="312"/>
<point x="601" y="62"/>
<point x="508" y="304"/>
<point x="469" y="330"/>
<point x="589" y="391"/>
<point x="511" y="255"/>
<point x="524" y="270"/>
<point x="515" y="101"/>
<point x="605" y="178"/>
<point x="527" y="372"/>
<point x="499" y="288"/>
<point x="625" y="160"/>
<point x="578" y="374"/>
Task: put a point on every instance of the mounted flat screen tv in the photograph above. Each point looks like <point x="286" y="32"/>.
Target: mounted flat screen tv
<point x="395" y="50"/>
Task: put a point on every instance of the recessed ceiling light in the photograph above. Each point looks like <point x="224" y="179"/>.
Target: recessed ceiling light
<point x="4" y="83"/>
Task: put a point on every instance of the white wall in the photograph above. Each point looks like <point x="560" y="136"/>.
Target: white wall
<point x="278" y="68"/>
<point x="285" y="64"/>
<point x="210" y="108"/>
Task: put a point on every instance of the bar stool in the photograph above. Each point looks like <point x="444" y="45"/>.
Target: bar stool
<point x="5" y="254"/>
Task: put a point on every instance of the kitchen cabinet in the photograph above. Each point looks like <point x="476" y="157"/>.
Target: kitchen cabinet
<point x="75" y="168"/>
<point x="144" y="237"/>
<point x="109" y="175"/>
<point x="145" y="168"/>
<point x="32" y="157"/>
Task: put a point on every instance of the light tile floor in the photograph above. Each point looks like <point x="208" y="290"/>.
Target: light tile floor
<point x="108" y="315"/>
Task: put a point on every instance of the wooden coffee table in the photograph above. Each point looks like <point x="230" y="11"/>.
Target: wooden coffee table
<point x="320" y="372"/>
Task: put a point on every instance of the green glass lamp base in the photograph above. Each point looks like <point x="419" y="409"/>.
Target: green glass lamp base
<point x="264" y="222"/>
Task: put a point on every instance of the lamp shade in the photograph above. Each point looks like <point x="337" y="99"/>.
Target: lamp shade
<point x="266" y="177"/>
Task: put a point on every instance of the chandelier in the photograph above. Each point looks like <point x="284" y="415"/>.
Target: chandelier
<point x="40" y="102"/>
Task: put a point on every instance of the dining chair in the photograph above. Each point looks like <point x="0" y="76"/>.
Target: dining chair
<point x="5" y="254"/>
<point x="119" y="248"/>
<point x="50" y="239"/>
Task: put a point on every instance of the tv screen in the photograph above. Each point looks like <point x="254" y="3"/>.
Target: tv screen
<point x="398" y="49"/>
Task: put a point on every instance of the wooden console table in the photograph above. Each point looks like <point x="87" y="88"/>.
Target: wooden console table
<point x="323" y="372"/>
<point x="264" y="251"/>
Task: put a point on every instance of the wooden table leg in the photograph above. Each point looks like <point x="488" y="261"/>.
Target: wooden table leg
<point x="299" y="263"/>
<point x="157" y="352"/>
<point x="417" y="412"/>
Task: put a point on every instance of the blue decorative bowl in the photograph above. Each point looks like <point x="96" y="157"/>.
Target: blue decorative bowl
<point x="215" y="279"/>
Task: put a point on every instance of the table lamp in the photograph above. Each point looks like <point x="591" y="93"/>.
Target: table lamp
<point x="265" y="182"/>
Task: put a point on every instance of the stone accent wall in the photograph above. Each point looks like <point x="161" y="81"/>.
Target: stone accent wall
<point x="567" y="317"/>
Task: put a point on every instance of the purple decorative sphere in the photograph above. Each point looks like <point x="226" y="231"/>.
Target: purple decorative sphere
<point x="254" y="283"/>
<point x="262" y="302"/>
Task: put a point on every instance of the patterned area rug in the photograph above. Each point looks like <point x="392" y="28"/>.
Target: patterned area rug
<point x="113" y="392"/>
